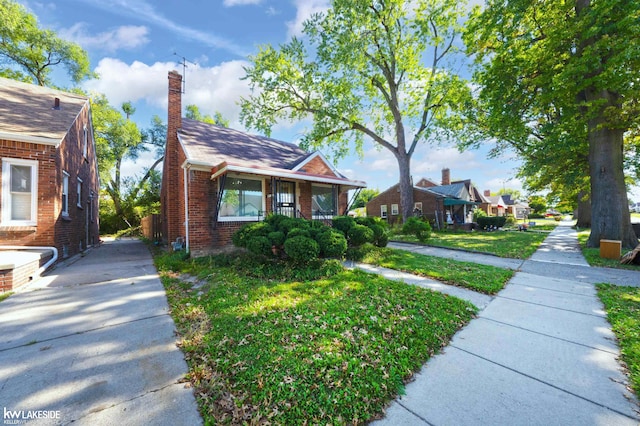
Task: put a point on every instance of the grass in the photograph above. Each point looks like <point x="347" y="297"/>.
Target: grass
<point x="335" y="348"/>
<point x="592" y="255"/>
<point x="623" y="312"/>
<point x="4" y="296"/>
<point x="516" y="245"/>
<point x="482" y="278"/>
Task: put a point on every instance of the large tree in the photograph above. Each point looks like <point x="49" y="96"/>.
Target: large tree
<point x="560" y="84"/>
<point x="28" y="52"/>
<point x="376" y="69"/>
<point x="193" y="113"/>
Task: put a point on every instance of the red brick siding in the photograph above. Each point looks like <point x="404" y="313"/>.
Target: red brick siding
<point x="392" y="196"/>
<point x="304" y="191"/>
<point x="202" y="205"/>
<point x="51" y="228"/>
<point x="11" y="279"/>
<point x="318" y="167"/>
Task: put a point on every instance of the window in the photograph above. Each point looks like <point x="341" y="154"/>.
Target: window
<point x="394" y="209"/>
<point x="85" y="141"/>
<point x="65" y="193"/>
<point x="417" y="207"/>
<point x="383" y="211"/>
<point x="79" y="192"/>
<point x="323" y="201"/>
<point x="19" y="192"/>
<point x="241" y="199"/>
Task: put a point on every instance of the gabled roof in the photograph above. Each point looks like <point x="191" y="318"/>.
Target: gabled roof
<point x="496" y="200"/>
<point x="221" y="150"/>
<point x="27" y="112"/>
<point x="455" y="190"/>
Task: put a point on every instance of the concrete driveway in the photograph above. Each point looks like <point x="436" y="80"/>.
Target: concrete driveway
<point x="93" y="343"/>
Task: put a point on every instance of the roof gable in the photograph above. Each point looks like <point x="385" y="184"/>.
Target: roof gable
<point x="27" y="112"/>
<point x="317" y="164"/>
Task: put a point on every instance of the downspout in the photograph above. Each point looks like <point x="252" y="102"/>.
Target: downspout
<point x="43" y="267"/>
<point x="186" y="208"/>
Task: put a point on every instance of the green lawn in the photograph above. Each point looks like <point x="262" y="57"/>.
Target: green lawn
<point x="623" y="312"/>
<point x="592" y="255"/>
<point x="482" y="278"/>
<point x="263" y="348"/>
<point x="511" y="244"/>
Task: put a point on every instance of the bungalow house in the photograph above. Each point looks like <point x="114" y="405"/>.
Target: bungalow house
<point x="448" y="203"/>
<point x="216" y="179"/>
<point x="49" y="180"/>
<point x="496" y="205"/>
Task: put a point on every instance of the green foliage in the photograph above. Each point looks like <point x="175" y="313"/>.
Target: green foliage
<point x="241" y="237"/>
<point x="259" y="245"/>
<point x="295" y="232"/>
<point x="193" y="113"/>
<point x="420" y="228"/>
<point x="380" y="236"/>
<point x="365" y="195"/>
<point x="29" y="52"/>
<point x="359" y="234"/>
<point x="538" y="204"/>
<point x="5" y="295"/>
<point x="510" y="220"/>
<point x="492" y="222"/>
<point x="276" y="238"/>
<point x="343" y="223"/>
<point x="301" y="249"/>
<point x="478" y="213"/>
<point x="332" y="243"/>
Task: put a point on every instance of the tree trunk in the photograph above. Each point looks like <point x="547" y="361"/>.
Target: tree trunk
<point x="406" y="186"/>
<point x="609" y="202"/>
<point x="584" y="211"/>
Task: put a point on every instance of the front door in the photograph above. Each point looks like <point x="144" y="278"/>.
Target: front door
<point x="285" y="198"/>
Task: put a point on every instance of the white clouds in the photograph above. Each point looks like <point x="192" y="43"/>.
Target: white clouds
<point x="230" y="3"/>
<point x="304" y="10"/>
<point x="125" y="37"/>
<point x="213" y="89"/>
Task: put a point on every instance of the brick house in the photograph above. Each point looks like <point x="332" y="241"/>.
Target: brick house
<point x="447" y="203"/>
<point x="216" y="179"/>
<point x="49" y="180"/>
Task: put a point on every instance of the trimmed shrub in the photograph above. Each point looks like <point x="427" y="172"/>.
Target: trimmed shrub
<point x="359" y="234"/>
<point x="478" y="213"/>
<point x="380" y="237"/>
<point x="491" y="222"/>
<point x="358" y="253"/>
<point x="290" y="223"/>
<point x="332" y="243"/>
<point x="275" y="219"/>
<point x="295" y="232"/>
<point x="259" y="245"/>
<point x="343" y="223"/>
<point x="301" y="249"/>
<point x="511" y="219"/>
<point x="276" y="238"/>
<point x="417" y="227"/>
<point x="244" y="234"/>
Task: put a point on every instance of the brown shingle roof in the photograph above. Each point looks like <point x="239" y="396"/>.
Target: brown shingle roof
<point x="209" y="144"/>
<point x="27" y="109"/>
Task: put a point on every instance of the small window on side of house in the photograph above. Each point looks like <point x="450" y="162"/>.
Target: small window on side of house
<point x="394" y="209"/>
<point x="19" y="205"/>
<point x="65" y="193"/>
<point x="383" y="211"/>
<point x="79" y="192"/>
<point x="85" y="142"/>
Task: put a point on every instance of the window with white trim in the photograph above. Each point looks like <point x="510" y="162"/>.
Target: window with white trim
<point x="383" y="211"/>
<point x="417" y="206"/>
<point x="394" y="209"/>
<point x="323" y="201"/>
<point x="65" y="193"/>
<point x="85" y="141"/>
<point x="242" y="199"/>
<point x="79" y="192"/>
<point x="19" y="192"/>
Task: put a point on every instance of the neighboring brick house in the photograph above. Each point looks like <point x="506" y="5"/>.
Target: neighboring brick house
<point x="216" y="179"/>
<point x="49" y="180"/>
<point x="450" y="202"/>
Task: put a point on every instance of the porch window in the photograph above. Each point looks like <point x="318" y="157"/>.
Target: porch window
<point x="242" y="199"/>
<point x="323" y="201"/>
<point x="19" y="192"/>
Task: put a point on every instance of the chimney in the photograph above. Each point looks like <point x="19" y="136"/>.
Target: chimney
<point x="170" y="195"/>
<point x="56" y="103"/>
<point x="487" y="193"/>
<point x="446" y="177"/>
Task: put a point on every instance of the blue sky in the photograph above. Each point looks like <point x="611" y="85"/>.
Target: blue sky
<point x="132" y="45"/>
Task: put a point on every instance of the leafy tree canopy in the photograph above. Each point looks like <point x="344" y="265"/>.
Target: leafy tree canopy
<point x="193" y="113"/>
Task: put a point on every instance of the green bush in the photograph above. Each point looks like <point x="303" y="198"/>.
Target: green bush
<point x="417" y="227"/>
<point x="343" y="223"/>
<point x="511" y="220"/>
<point x="536" y="216"/>
<point x="289" y="223"/>
<point x="358" y="253"/>
<point x="332" y="243"/>
<point x="380" y="237"/>
<point x="491" y="222"/>
<point x="276" y="238"/>
<point x="295" y="232"/>
<point x="359" y="234"/>
<point x="557" y="217"/>
<point x="274" y="220"/>
<point x="242" y="235"/>
<point x="259" y="245"/>
<point x="301" y="249"/>
<point x="478" y="213"/>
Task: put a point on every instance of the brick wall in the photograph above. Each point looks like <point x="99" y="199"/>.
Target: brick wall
<point x="202" y="205"/>
<point x="318" y="167"/>
<point x="392" y="196"/>
<point x="11" y="279"/>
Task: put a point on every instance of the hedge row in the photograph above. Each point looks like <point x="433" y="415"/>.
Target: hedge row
<point x="303" y="240"/>
<point x="491" y="222"/>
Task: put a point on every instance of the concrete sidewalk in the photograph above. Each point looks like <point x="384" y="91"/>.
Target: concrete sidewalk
<point x="540" y="353"/>
<point x="94" y="343"/>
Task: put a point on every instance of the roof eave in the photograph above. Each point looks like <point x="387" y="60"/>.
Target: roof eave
<point x="18" y="137"/>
